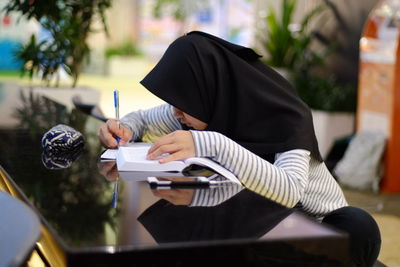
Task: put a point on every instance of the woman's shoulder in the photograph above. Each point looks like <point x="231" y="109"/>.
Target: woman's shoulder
<point x="293" y="152"/>
<point x="302" y="157"/>
<point x="293" y="157"/>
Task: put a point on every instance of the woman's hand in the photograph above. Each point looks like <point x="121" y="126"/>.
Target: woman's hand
<point x="112" y="129"/>
<point x="178" y="144"/>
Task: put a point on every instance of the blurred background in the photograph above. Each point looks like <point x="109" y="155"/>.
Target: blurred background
<point x="80" y="51"/>
<point x="124" y="38"/>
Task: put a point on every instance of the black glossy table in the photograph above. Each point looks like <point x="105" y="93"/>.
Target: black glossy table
<point x="93" y="218"/>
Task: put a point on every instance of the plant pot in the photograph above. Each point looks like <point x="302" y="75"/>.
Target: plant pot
<point x="330" y="126"/>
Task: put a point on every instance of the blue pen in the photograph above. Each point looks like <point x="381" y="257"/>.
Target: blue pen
<point x="116" y="106"/>
<point x="115" y="195"/>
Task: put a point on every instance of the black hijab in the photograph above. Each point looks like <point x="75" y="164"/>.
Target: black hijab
<point x="229" y="88"/>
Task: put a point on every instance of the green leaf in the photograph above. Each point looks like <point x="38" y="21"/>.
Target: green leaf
<point x="69" y="22"/>
<point x="288" y="7"/>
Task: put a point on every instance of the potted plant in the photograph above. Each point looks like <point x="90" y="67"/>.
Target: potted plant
<point x="68" y="25"/>
<point x="296" y="51"/>
<point x="284" y="42"/>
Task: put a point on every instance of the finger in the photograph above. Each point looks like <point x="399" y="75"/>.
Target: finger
<point x="179" y="155"/>
<point x="112" y="126"/>
<point x="126" y="134"/>
<point x="170" y="148"/>
<point x="106" y="138"/>
<point x="117" y="130"/>
<point x="167" y="139"/>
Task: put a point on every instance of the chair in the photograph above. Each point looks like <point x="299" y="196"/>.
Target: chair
<point x="19" y="231"/>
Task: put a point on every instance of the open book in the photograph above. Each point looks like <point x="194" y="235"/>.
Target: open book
<point x="133" y="158"/>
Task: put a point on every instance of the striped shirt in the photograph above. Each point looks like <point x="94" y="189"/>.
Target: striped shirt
<point x="294" y="178"/>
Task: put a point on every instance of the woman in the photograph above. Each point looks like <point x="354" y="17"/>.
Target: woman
<point x="225" y="104"/>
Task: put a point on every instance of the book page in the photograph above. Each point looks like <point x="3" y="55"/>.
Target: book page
<point x="133" y="158"/>
<point x="214" y="166"/>
<point x="109" y="154"/>
<point x="135" y="154"/>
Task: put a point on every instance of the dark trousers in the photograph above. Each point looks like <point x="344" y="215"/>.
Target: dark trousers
<point x="364" y="234"/>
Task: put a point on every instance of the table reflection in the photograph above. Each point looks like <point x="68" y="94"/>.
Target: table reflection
<point x="243" y="215"/>
<point x="64" y="194"/>
<point x="60" y="159"/>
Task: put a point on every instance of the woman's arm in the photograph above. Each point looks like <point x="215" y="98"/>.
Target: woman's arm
<point x="283" y="182"/>
<point x="151" y="124"/>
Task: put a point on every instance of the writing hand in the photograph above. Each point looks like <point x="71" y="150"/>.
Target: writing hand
<point x="112" y="129"/>
<point x="178" y="144"/>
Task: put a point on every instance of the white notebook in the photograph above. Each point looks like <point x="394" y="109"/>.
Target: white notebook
<point x="133" y="158"/>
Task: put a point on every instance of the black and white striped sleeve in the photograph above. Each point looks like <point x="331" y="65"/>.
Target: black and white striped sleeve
<point x="283" y="182"/>
<point x="152" y="123"/>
